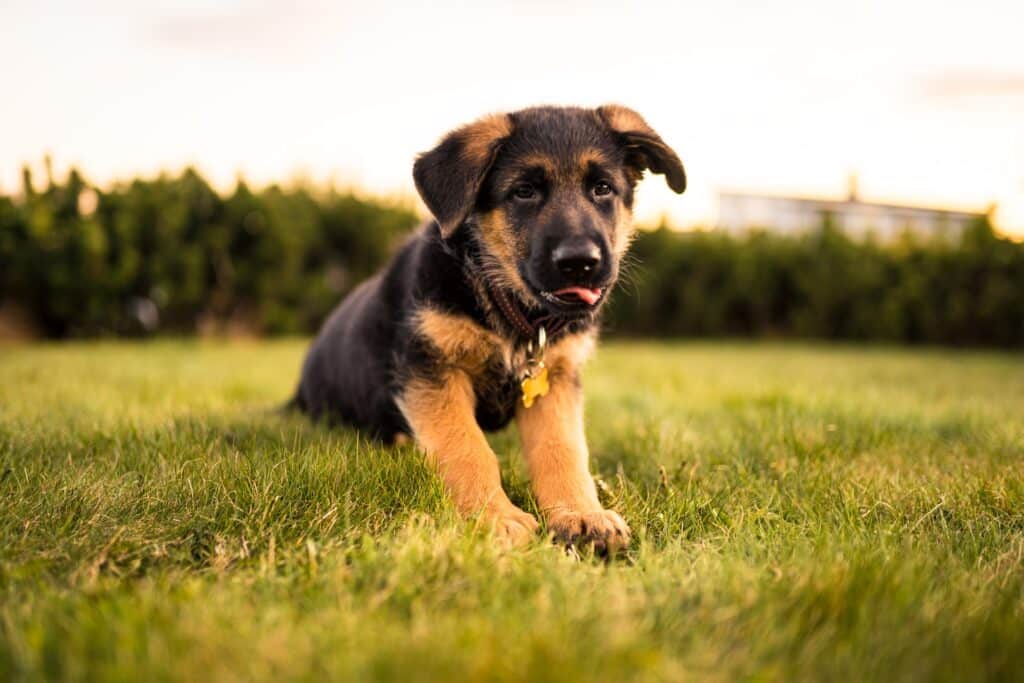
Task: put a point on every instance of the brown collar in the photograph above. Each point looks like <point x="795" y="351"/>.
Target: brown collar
<point x="551" y="322"/>
<point x="510" y="309"/>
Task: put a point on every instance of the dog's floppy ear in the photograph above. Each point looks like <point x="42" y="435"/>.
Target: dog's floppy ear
<point x="449" y="176"/>
<point x="644" y="148"/>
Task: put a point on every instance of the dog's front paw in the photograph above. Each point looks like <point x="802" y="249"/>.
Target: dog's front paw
<point x="605" y="530"/>
<point x="513" y="527"/>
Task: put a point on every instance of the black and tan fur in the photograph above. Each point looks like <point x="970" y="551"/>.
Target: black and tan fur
<point x="524" y="204"/>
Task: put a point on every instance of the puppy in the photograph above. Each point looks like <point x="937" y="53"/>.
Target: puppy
<point x="488" y="311"/>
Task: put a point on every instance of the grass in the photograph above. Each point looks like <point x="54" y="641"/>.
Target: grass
<point x="800" y="512"/>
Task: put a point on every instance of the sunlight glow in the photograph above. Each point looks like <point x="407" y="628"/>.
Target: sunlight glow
<point x="924" y="101"/>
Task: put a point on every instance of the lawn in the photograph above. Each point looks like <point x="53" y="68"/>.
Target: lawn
<point x="799" y="512"/>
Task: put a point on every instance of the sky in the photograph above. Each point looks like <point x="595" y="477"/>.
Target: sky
<point x="924" y="101"/>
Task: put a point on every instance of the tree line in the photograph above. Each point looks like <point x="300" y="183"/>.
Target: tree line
<point x="173" y="255"/>
<point x="825" y="285"/>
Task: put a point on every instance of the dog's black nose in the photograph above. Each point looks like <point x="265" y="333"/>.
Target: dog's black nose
<point x="577" y="259"/>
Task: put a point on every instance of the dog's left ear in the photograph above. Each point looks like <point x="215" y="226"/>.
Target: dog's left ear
<point x="449" y="176"/>
<point x="644" y="148"/>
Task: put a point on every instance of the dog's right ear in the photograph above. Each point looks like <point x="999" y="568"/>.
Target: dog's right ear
<point x="449" y="176"/>
<point x="644" y="148"/>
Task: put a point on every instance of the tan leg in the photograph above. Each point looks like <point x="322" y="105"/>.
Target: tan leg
<point x="556" y="454"/>
<point x="441" y="414"/>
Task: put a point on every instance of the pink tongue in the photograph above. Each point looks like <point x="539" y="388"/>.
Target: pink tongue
<point x="588" y="296"/>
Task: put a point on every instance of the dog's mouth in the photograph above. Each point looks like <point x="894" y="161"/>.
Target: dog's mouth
<point x="575" y="297"/>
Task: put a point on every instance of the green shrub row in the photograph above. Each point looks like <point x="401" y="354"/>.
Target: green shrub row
<point x="825" y="285"/>
<point x="172" y="255"/>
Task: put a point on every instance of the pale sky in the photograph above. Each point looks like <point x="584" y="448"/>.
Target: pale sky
<point x="923" y="99"/>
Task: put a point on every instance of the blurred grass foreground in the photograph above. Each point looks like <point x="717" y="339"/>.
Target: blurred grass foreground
<point x="171" y="255"/>
<point x="800" y="513"/>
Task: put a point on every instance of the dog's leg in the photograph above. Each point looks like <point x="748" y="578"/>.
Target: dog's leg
<point x="441" y="414"/>
<point x="556" y="452"/>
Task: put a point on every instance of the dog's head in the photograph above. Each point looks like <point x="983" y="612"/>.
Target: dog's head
<point x="548" y="192"/>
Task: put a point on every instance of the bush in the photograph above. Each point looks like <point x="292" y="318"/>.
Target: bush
<point x="827" y="286"/>
<point x="173" y="255"/>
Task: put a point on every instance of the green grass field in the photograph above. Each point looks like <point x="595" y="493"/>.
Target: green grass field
<point x="800" y="512"/>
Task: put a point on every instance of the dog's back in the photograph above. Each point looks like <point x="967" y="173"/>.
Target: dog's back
<point x="349" y="373"/>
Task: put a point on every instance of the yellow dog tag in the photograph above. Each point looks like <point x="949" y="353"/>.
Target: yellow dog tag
<point x="535" y="385"/>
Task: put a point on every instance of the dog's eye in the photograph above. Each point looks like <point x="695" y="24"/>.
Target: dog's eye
<point x="602" y="189"/>
<point x="524" y="191"/>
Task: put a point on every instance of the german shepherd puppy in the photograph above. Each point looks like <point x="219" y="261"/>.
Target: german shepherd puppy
<point x="487" y="312"/>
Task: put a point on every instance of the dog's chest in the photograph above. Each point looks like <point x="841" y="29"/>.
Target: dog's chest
<point x="496" y="403"/>
<point x="497" y="391"/>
